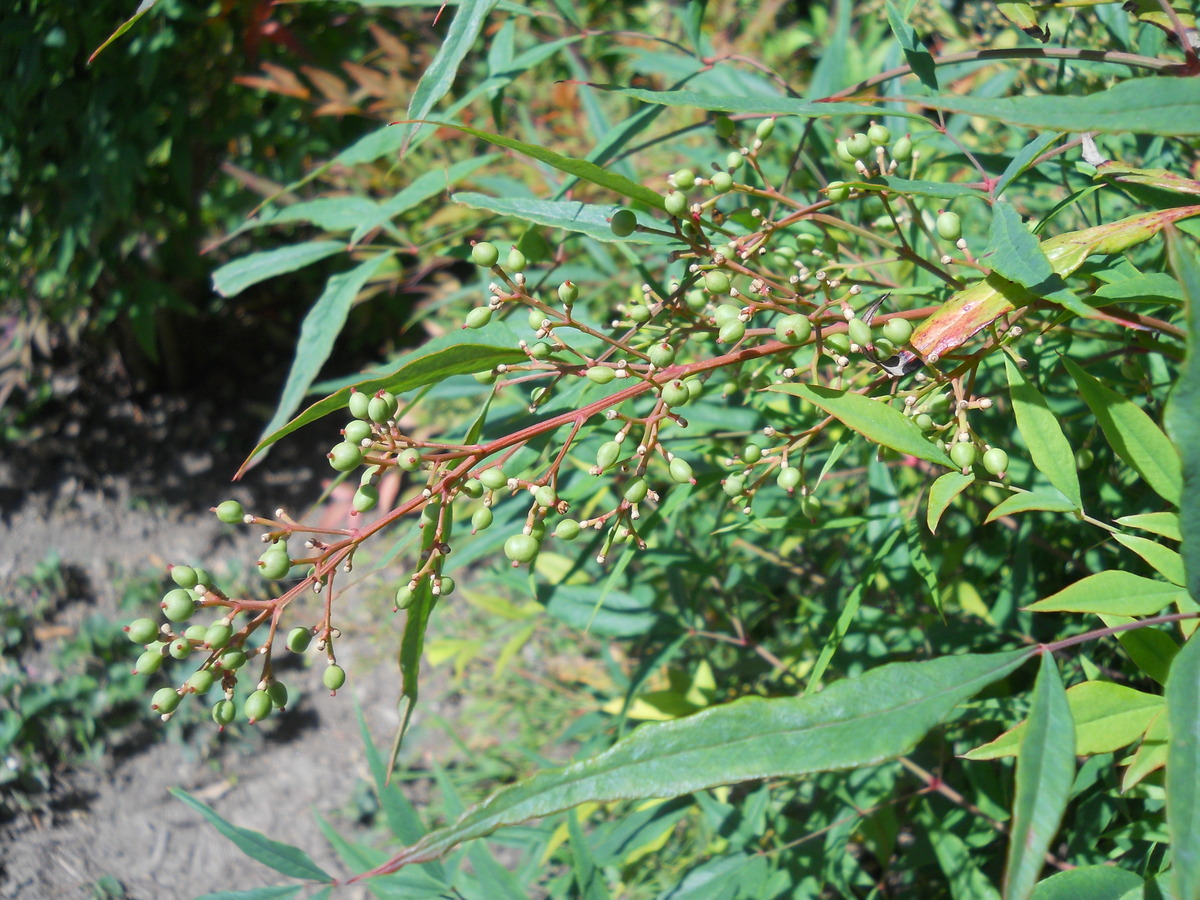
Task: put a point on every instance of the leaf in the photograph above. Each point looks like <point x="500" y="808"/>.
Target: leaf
<point x="1013" y="251"/>
<point x="1112" y="593"/>
<point x="1161" y="523"/>
<point x="1183" y="770"/>
<point x="1158" y="105"/>
<point x="411" y="647"/>
<point x="1048" y="447"/>
<point x="1023" y="16"/>
<point x="1165" y="561"/>
<point x="320" y="329"/>
<point x="1182" y="415"/>
<point x="942" y="494"/>
<point x="589" y="881"/>
<point x="1133" y="435"/>
<point x="570" y="215"/>
<point x="1088" y="883"/>
<point x="750" y="103"/>
<point x="144" y="7"/>
<point x="1045" y="771"/>
<point x="438" y="77"/>
<point x="1150" y="649"/>
<point x="1151" y="754"/>
<point x="234" y="277"/>
<point x="283" y="858"/>
<point x="1021" y="160"/>
<point x="1029" y="501"/>
<point x="919" y="59"/>
<point x="403" y="821"/>
<point x="457" y="353"/>
<point x="873" y="419"/>
<point x="854" y="722"/>
<point x="278" y="892"/>
<point x="1107" y="717"/>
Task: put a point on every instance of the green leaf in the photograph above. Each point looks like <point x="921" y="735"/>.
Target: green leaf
<point x="1021" y="160"/>
<point x="328" y="213"/>
<point x="403" y="820"/>
<point x="917" y="188"/>
<point x="873" y="419"/>
<point x="1107" y="717"/>
<point x="750" y="103"/>
<point x="1029" y="501"/>
<point x="589" y="881"/>
<point x="1048" y="447"/>
<point x="919" y="58"/>
<point x="1088" y="883"/>
<point x="234" y="277"/>
<point x="1162" y="523"/>
<point x="460" y="352"/>
<point x="1165" y="561"/>
<point x="942" y="494"/>
<point x="1159" y="105"/>
<point x="1112" y="593"/>
<point x="277" y="892"/>
<point x="422" y="188"/>
<point x="1133" y="435"/>
<point x="283" y="858"/>
<point x="438" y="77"/>
<point x="321" y="327"/>
<point x="1013" y="251"/>
<point x="1045" y="771"/>
<point x="1182" y="415"/>
<point x="1183" y="770"/>
<point x="570" y="215"/>
<point x="144" y="7"/>
<point x="1150" y="649"/>
<point x="411" y="647"/>
<point x="857" y="721"/>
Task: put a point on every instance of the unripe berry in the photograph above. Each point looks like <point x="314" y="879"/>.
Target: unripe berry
<point x="788" y="478"/>
<point x="409" y="459"/>
<point x="478" y="317"/>
<point x="681" y="471"/>
<point x="278" y="693"/>
<point x="230" y="512"/>
<point x="1084" y="457"/>
<point x="493" y="479"/>
<point x="446" y="585"/>
<point x="358" y="404"/>
<point x="879" y="135"/>
<point x="345" y="456"/>
<point x="765" y="129"/>
<point x="837" y="344"/>
<point x="201" y="681"/>
<point x="726" y="312"/>
<point x="195" y="633"/>
<point x="722" y="182"/>
<point x="636" y="490"/>
<point x="949" y="226"/>
<point x="165" y="700"/>
<point x="258" y="704"/>
<point x="858" y="145"/>
<point x="515" y="261"/>
<point x="837" y="191"/>
<point x="963" y="453"/>
<point x="675" y="203"/>
<point x="181" y="648"/>
<point x="840" y="151"/>
<point x="274" y="564"/>
<point x="684" y="179"/>
<point x="381" y="407"/>
<point x="184" y="576"/>
<point x="751" y="454"/>
<point x="623" y="222"/>
<point x="488" y="377"/>
<point x="568" y="292"/>
<point x="733" y="485"/>
<point x="806" y="242"/>
<point x="810" y="506"/>
<point x="481" y="519"/>
<point x="148" y="663"/>
<point x="334" y="677"/>
<point x="732" y="332"/>
<point x="724" y="127"/>
<point x="716" y="282"/>
<point x="600" y="374"/>
<point x="485" y="254"/>
<point x="545" y="496"/>
<point x="859" y="332"/>
<point x="902" y="150"/>
<point x="541" y="350"/>
<point x="793" y="329"/>
<point x="924" y="421"/>
<point x="521" y="548"/>
<point x="142" y="631"/>
<point x="567" y="529"/>
<point x="178" y="605"/>
<point x="298" y="638"/>
<point x="404" y="597"/>
<point x="898" y="331"/>
<point x="223" y="712"/>
<point x="995" y="461"/>
<point x="358" y="431"/>
<point x="231" y="660"/>
<point x="676" y="393"/>
<point x="607" y="454"/>
<point x="733" y="162"/>
<point x="695" y="387"/>
<point x="365" y="498"/>
<point x="217" y="635"/>
<point x="662" y="355"/>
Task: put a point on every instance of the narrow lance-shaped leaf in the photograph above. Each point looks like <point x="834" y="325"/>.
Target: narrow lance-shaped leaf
<point x="1183" y="770"/>
<point x="1013" y="251"/>
<point x="854" y="722"/>
<point x="1112" y="593"/>
<point x="569" y="215"/>
<point x="1133" y="435"/>
<point x="1089" y="883"/>
<point x="1183" y="409"/>
<point x="1029" y="501"/>
<point x="942" y="494"/>
<point x="1048" y="447"/>
<point x="1045" y="770"/>
<point x="873" y="419"/>
<point x="234" y="277"/>
<point x="144" y="7"/>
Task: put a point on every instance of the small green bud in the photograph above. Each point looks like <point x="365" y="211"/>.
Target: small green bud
<point x="837" y="191"/>
<point x="765" y="129"/>
<point x="924" y="421"/>
<point x="607" y="454"/>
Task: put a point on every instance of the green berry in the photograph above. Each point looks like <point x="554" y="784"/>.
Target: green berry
<point x="365" y="498"/>
<point x="521" y="548"/>
<point x="716" y="282"/>
<point x="898" y="331"/>
<point x="165" y="700"/>
<point x="793" y="329"/>
<point x="297" y="639"/>
<point x="924" y="421"/>
<point x="485" y="254"/>
<point x="568" y="292"/>
<point x="358" y="403"/>
<point x="765" y="129"/>
<point x="545" y="496"/>
<point x="962" y="453"/>
<point x="902" y="150"/>
<point x="196" y="633"/>
<point x="230" y="512"/>
<point x="751" y="454"/>
<point x="724" y="127"/>
<point x="493" y="479"/>
<point x="446" y="585"/>
<point x="181" y="648"/>
<point x="184" y="576"/>
<point x="201" y="681"/>
<point x="949" y="226"/>
<point x="358" y="431"/>
<point x="733" y="162"/>
<point x="806" y="242"/>
<point x="695" y="387"/>
<point x="600" y="374"/>
<point x="837" y="344"/>
<point x="404" y="597"/>
<point x="567" y="529"/>
<point x="858" y="146"/>
<point x="732" y="332"/>
<point x="142" y="631"/>
<point x="381" y="407"/>
<point x="278" y="693"/>
<point x="640" y="314"/>
<point x="482" y="519"/>
<point x="607" y="454"/>
<point x="334" y="677"/>
<point x="515" y="261"/>
<point x="733" y="485"/>
<point x="722" y="182"/>
<point x="409" y="459"/>
<point x="274" y="564"/>
<point x="217" y="635"/>
<point x="788" y="478"/>
<point x="662" y="355"/>
<point x="258" y="704"/>
<point x="1084" y="457"/>
<point x="231" y="660"/>
<point x="541" y="350"/>
<point x="178" y="605"/>
<point x="676" y="393"/>
<point x="684" y="179"/>
<point x="623" y="222"/>
<point x="680" y="471"/>
<point x="148" y="663"/>
<point x="884" y="348"/>
<point x="810" y="506"/>
<point x="859" y="332"/>
<point x="478" y="317"/>
<point x="488" y="377"/>
<point x="878" y="135"/>
<point x="675" y="203"/>
<point x="995" y="461"/>
<point x="636" y="490"/>
<point x="345" y="456"/>
<point x="726" y="312"/>
<point x="223" y="712"/>
<point x="837" y="191"/>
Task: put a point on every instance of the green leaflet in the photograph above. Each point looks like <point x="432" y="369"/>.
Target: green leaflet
<point x="1112" y="593"/>
<point x="1048" y="447"/>
<point x="569" y="215"/>
<point x="854" y="722"/>
<point x="234" y="277"/>
<point x="942" y="494"/>
<point x="1183" y="770"/>
<point x="1029" y="501"/>
<point x="1183" y="408"/>
<point x="1013" y="251"/>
